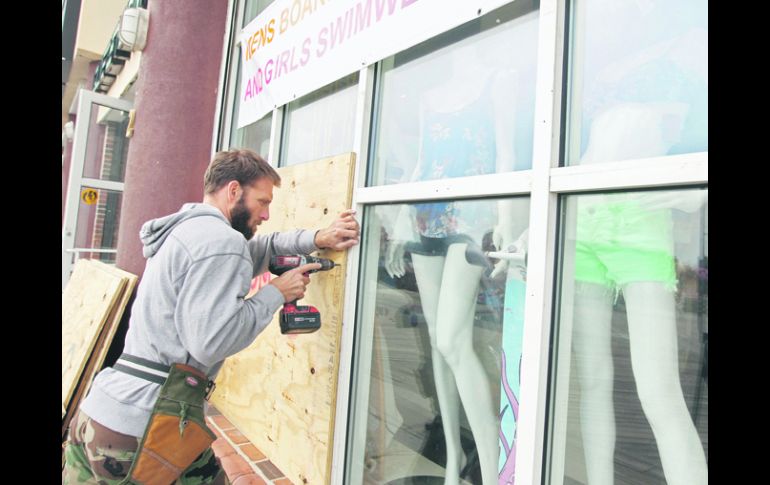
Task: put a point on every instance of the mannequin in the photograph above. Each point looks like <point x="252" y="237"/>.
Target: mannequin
<point x="466" y="129"/>
<point x="648" y="99"/>
<point x="624" y="244"/>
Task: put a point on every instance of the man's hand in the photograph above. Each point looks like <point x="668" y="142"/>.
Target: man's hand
<point x="342" y="234"/>
<point x="293" y="282"/>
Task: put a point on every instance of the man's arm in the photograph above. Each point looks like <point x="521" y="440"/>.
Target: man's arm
<point x="262" y="246"/>
<point x="212" y="318"/>
<point x="342" y="234"/>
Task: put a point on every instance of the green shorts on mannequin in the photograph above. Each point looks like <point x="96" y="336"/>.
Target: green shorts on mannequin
<point x="620" y="242"/>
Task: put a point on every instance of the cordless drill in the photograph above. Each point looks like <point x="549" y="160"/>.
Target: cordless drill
<point x="293" y="318"/>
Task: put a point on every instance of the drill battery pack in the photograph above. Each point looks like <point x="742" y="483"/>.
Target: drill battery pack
<point x="299" y="319"/>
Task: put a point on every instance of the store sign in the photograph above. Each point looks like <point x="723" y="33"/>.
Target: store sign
<point x="297" y="46"/>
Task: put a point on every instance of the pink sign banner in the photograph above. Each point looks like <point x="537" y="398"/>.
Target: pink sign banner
<point x="297" y="46"/>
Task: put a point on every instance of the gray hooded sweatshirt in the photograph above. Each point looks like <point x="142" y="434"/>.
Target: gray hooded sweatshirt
<point x="190" y="306"/>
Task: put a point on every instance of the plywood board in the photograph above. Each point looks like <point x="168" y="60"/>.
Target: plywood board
<point x="87" y="300"/>
<point x="281" y="391"/>
<point x="111" y="327"/>
<point x="95" y="361"/>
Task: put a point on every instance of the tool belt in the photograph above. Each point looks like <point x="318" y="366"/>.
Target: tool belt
<point x="177" y="433"/>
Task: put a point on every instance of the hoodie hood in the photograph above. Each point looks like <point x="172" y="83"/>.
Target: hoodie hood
<point x="154" y="232"/>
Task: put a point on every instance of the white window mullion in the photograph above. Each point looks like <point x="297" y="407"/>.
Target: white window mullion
<point x="542" y="248"/>
<point x="352" y="283"/>
<point x="364" y="103"/>
<point x="691" y="168"/>
<point x="225" y="100"/>
<point x="276" y="128"/>
<point x="105" y="100"/>
<point x="102" y="184"/>
<point x="225" y="137"/>
<point x="496" y="184"/>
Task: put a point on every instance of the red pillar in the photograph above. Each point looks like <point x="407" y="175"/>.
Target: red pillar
<point x="175" y="104"/>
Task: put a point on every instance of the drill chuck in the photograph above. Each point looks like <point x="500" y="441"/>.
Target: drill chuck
<point x="281" y="264"/>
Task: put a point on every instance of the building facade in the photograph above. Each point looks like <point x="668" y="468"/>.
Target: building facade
<point x="529" y="300"/>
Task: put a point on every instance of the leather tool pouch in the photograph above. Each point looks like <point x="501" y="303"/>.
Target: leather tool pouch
<point x="177" y="433"/>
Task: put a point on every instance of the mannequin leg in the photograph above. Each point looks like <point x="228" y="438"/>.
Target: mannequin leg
<point x="655" y="363"/>
<point x="427" y="272"/>
<point x="591" y="341"/>
<point x="454" y="323"/>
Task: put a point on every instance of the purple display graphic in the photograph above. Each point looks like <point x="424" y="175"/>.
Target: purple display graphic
<point x="508" y="472"/>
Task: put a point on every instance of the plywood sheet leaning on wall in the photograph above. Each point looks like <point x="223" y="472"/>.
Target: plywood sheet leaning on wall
<point x="86" y="303"/>
<point x="281" y="391"/>
<point x="95" y="360"/>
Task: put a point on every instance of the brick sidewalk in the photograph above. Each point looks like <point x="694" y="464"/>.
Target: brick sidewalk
<point x="243" y="463"/>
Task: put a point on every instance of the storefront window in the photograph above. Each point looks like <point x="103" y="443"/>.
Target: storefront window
<point x="441" y="319"/>
<point x="460" y="104"/>
<point x="252" y="8"/>
<point x="630" y="374"/>
<point x="320" y="124"/>
<point x="107" y="146"/>
<point x="255" y="136"/>
<point x="97" y="225"/>
<point x="638" y="79"/>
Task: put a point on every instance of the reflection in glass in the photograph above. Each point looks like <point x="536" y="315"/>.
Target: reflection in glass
<point x="634" y="307"/>
<point x="639" y="79"/>
<point x="97" y="224"/>
<point x="255" y="136"/>
<point x="320" y="124"/>
<point x="252" y="8"/>
<point x="445" y="302"/>
<point x="461" y="104"/>
<point x="107" y="145"/>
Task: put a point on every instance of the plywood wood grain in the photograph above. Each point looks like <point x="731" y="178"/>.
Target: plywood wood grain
<point x="96" y="359"/>
<point x="281" y="391"/>
<point x="113" y="321"/>
<point x="87" y="300"/>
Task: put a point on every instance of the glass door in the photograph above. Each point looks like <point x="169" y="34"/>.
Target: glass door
<point x="95" y="188"/>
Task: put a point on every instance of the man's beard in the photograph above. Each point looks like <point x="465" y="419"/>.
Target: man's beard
<point x="239" y="220"/>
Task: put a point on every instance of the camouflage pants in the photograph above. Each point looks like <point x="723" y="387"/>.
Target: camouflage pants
<point x="96" y="455"/>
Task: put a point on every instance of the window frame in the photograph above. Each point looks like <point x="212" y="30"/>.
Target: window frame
<point x="545" y="184"/>
<point x="283" y="147"/>
<point x="228" y="77"/>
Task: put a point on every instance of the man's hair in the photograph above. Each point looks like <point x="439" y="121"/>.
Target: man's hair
<point x="239" y="164"/>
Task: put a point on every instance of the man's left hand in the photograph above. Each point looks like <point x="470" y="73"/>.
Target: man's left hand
<point x="342" y="234"/>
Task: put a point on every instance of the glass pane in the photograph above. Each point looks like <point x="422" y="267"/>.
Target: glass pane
<point x="320" y="124"/>
<point x="638" y="80"/>
<point x="460" y="104"/>
<point x="107" y="146"/>
<point x="98" y="219"/>
<point x="438" y="320"/>
<point x="631" y="370"/>
<point x="252" y="9"/>
<point x="255" y="136"/>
